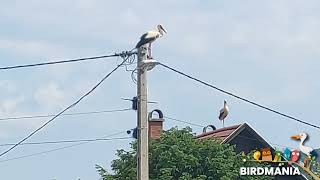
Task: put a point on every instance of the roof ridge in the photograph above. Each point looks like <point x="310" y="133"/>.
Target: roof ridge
<point x="219" y="130"/>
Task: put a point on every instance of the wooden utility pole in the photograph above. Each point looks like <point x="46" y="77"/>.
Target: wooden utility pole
<point x="143" y="150"/>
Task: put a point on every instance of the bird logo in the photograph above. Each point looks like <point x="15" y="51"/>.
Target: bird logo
<point x="224" y="112"/>
<point x="305" y="149"/>
<point x="257" y="155"/>
<point x="266" y="154"/>
<point x="309" y="151"/>
<point x="295" y="155"/>
<point x="277" y="156"/>
<point x="287" y="154"/>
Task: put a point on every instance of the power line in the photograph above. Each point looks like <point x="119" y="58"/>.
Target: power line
<point x="66" y="114"/>
<point x="69" y="107"/>
<point x="65" y="141"/>
<point x="61" y="148"/>
<point x="186" y="122"/>
<point x="66" y="61"/>
<point x="241" y="98"/>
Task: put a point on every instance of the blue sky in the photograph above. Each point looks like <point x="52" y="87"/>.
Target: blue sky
<point x="266" y="51"/>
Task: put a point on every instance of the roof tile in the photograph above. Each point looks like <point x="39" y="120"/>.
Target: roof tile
<point x="219" y="133"/>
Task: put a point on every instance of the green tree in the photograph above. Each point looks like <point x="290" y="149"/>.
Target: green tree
<point x="178" y="155"/>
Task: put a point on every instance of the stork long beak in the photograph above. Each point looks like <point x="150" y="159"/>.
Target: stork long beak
<point x="161" y="27"/>
<point x="297" y="137"/>
<point x="163" y="30"/>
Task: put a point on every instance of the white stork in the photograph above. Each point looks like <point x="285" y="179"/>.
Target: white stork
<point x="309" y="151"/>
<point x="305" y="149"/>
<point x="150" y="37"/>
<point x="224" y="112"/>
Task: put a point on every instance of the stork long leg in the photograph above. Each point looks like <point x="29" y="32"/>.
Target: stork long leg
<point x="149" y="50"/>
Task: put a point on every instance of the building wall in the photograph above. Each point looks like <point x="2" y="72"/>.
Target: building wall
<point x="247" y="141"/>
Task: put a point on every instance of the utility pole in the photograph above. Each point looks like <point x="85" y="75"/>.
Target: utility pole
<point x="143" y="149"/>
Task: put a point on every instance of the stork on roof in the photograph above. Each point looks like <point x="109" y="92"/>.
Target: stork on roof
<point x="224" y="112"/>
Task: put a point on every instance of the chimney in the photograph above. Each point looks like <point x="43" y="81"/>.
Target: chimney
<point x="155" y="124"/>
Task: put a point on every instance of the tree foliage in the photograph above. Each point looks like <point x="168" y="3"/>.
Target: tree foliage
<point x="178" y="155"/>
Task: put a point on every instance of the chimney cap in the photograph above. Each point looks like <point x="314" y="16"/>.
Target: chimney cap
<point x="209" y="126"/>
<point x="160" y="115"/>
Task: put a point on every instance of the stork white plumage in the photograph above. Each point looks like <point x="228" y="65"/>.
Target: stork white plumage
<point x="305" y="149"/>
<point x="224" y="112"/>
<point x="150" y="37"/>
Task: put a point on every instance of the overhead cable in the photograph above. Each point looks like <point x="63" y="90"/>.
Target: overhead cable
<point x="125" y="53"/>
<point x="64" y="147"/>
<point x="67" y="108"/>
<point x="241" y="98"/>
<point x="65" y="114"/>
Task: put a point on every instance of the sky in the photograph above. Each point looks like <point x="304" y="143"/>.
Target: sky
<point x="265" y="51"/>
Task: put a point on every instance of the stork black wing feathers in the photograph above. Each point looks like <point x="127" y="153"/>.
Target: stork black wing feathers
<point x="220" y="115"/>
<point x="144" y="40"/>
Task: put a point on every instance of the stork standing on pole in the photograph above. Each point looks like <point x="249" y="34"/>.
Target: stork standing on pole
<point x="150" y="37"/>
<point x="144" y="53"/>
<point x="224" y="112"/>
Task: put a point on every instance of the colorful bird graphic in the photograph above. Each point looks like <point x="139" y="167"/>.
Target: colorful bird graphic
<point x="287" y="154"/>
<point x="257" y="155"/>
<point x="309" y="151"/>
<point x="244" y="157"/>
<point x="295" y="155"/>
<point x="305" y="149"/>
<point x="277" y="156"/>
<point x="266" y="154"/>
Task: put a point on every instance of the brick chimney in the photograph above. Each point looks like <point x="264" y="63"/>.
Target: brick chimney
<point x="155" y="124"/>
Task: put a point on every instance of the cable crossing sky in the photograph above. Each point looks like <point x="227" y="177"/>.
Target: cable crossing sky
<point x="239" y="97"/>
<point x="64" y="141"/>
<point x="67" y="147"/>
<point x="65" y="114"/>
<point x="126" y="57"/>
<point x="123" y="54"/>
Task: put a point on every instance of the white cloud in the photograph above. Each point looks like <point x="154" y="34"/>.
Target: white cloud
<point x="50" y="97"/>
<point x="8" y="86"/>
<point x="32" y="48"/>
<point x="10" y="106"/>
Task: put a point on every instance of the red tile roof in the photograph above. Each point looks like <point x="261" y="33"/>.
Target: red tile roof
<point x="222" y="133"/>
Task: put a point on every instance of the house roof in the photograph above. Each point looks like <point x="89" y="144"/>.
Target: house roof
<point x="222" y="133"/>
<point x="227" y="134"/>
<point x="238" y="133"/>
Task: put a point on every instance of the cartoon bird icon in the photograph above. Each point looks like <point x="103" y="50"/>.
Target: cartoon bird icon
<point x="266" y="154"/>
<point x="244" y="157"/>
<point x="295" y="155"/>
<point x="257" y="155"/>
<point x="224" y="112"/>
<point x="287" y="154"/>
<point x="305" y="149"/>
<point x="277" y="156"/>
